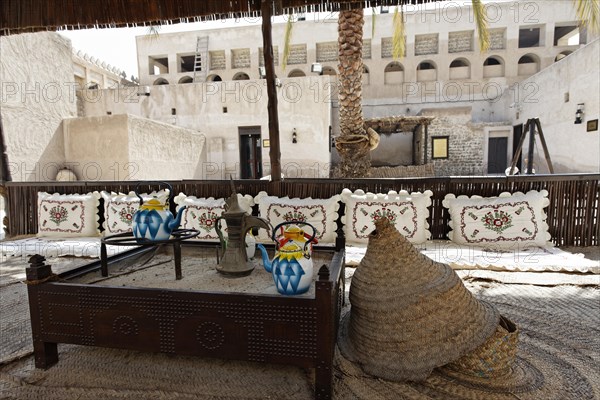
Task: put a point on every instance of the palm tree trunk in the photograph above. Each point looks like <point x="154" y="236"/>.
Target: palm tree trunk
<point x="353" y="142"/>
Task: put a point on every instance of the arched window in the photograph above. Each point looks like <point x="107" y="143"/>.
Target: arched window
<point x="426" y="71"/>
<point x="329" y="71"/>
<point x="241" y="76"/>
<point x="213" y="78"/>
<point x="562" y="55"/>
<point x="460" y="69"/>
<point x="394" y="67"/>
<point x="529" y="64"/>
<point x="365" y="75"/>
<point x="493" y="67"/>
<point x="186" y="79"/>
<point x="296" y="73"/>
<point x="393" y="73"/>
<point x="161" y="81"/>
<point x="494" y="60"/>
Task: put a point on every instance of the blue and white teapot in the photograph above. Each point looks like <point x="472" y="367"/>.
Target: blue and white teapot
<point x="154" y="221"/>
<point x="292" y="266"/>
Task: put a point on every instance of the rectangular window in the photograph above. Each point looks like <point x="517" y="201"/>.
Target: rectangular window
<point x="439" y="147"/>
<point x="568" y="35"/>
<point x="158" y="65"/>
<point x="529" y="37"/>
<point x="186" y="62"/>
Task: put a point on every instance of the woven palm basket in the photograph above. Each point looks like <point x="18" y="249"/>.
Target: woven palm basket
<point x="494" y="358"/>
<point x="409" y="313"/>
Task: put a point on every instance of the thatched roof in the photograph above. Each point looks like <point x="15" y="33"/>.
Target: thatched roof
<point x="396" y="124"/>
<point x="18" y="16"/>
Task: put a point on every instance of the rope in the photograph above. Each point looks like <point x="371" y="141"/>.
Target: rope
<point x="50" y="278"/>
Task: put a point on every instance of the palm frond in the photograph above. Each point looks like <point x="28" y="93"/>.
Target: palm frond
<point x="398" y="38"/>
<point x="588" y="13"/>
<point x="373" y="19"/>
<point x="153" y="31"/>
<point x="481" y="21"/>
<point x="286" y="41"/>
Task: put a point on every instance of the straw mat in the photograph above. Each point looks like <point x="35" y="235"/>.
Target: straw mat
<point x="557" y="358"/>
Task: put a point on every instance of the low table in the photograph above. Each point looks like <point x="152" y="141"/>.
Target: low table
<point x="267" y="328"/>
<point x="127" y="239"/>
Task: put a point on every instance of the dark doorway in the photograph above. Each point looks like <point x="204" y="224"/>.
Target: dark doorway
<point x="250" y="152"/>
<point x="497" y="150"/>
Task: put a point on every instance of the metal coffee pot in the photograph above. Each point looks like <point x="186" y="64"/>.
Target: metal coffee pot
<point x="234" y="261"/>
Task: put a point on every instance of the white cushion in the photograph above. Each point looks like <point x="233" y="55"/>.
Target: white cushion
<point x="503" y="222"/>
<point x="119" y="209"/>
<point x="407" y="211"/>
<point x="68" y="215"/>
<point x="201" y="213"/>
<point x="320" y="213"/>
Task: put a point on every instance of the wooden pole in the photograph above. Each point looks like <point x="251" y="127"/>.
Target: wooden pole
<point x="274" y="153"/>
<point x="531" y="125"/>
<point x="543" y="140"/>
<point x="515" y="159"/>
<point x="4" y="170"/>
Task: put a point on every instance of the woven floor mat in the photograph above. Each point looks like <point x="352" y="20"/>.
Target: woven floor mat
<point x="558" y="358"/>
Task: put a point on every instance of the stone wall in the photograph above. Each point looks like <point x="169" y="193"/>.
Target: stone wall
<point x="38" y="91"/>
<point x="465" y="152"/>
<point x="261" y="58"/>
<point x="240" y="58"/>
<point x="297" y="54"/>
<point x="497" y="39"/>
<point x="460" y="41"/>
<point x="327" y="51"/>
<point x="426" y="44"/>
<point x="366" y="49"/>
<point x="217" y="59"/>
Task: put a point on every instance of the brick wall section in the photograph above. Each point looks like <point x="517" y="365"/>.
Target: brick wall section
<point x="217" y="59"/>
<point x="497" y="41"/>
<point x="240" y="58"/>
<point x="327" y="51"/>
<point x="426" y="44"/>
<point x="366" y="49"/>
<point x="261" y="58"/>
<point x="297" y="54"/>
<point x="460" y="41"/>
<point x="465" y="145"/>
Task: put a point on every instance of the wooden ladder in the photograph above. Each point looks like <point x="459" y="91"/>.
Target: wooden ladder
<point x="201" y="59"/>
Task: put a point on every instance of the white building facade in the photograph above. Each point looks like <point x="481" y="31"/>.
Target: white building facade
<point x="443" y="69"/>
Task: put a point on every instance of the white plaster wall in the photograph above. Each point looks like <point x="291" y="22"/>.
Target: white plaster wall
<point x="36" y="75"/>
<point x="303" y="104"/>
<point x="571" y="147"/>
<point x="125" y="147"/>
<point x="381" y="99"/>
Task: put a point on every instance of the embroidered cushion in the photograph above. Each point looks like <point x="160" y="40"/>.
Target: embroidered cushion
<point x="502" y="222"/>
<point x="119" y="209"/>
<point x="68" y="215"/>
<point x="407" y="211"/>
<point x="320" y="213"/>
<point x="202" y="213"/>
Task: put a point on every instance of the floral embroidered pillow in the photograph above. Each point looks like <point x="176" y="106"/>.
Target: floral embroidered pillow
<point x="407" y="211"/>
<point x="68" y="215"/>
<point x="508" y="221"/>
<point x="320" y="213"/>
<point x="202" y="213"/>
<point x="119" y="209"/>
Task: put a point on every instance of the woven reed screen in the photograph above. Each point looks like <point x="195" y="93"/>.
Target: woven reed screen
<point x="572" y="214"/>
